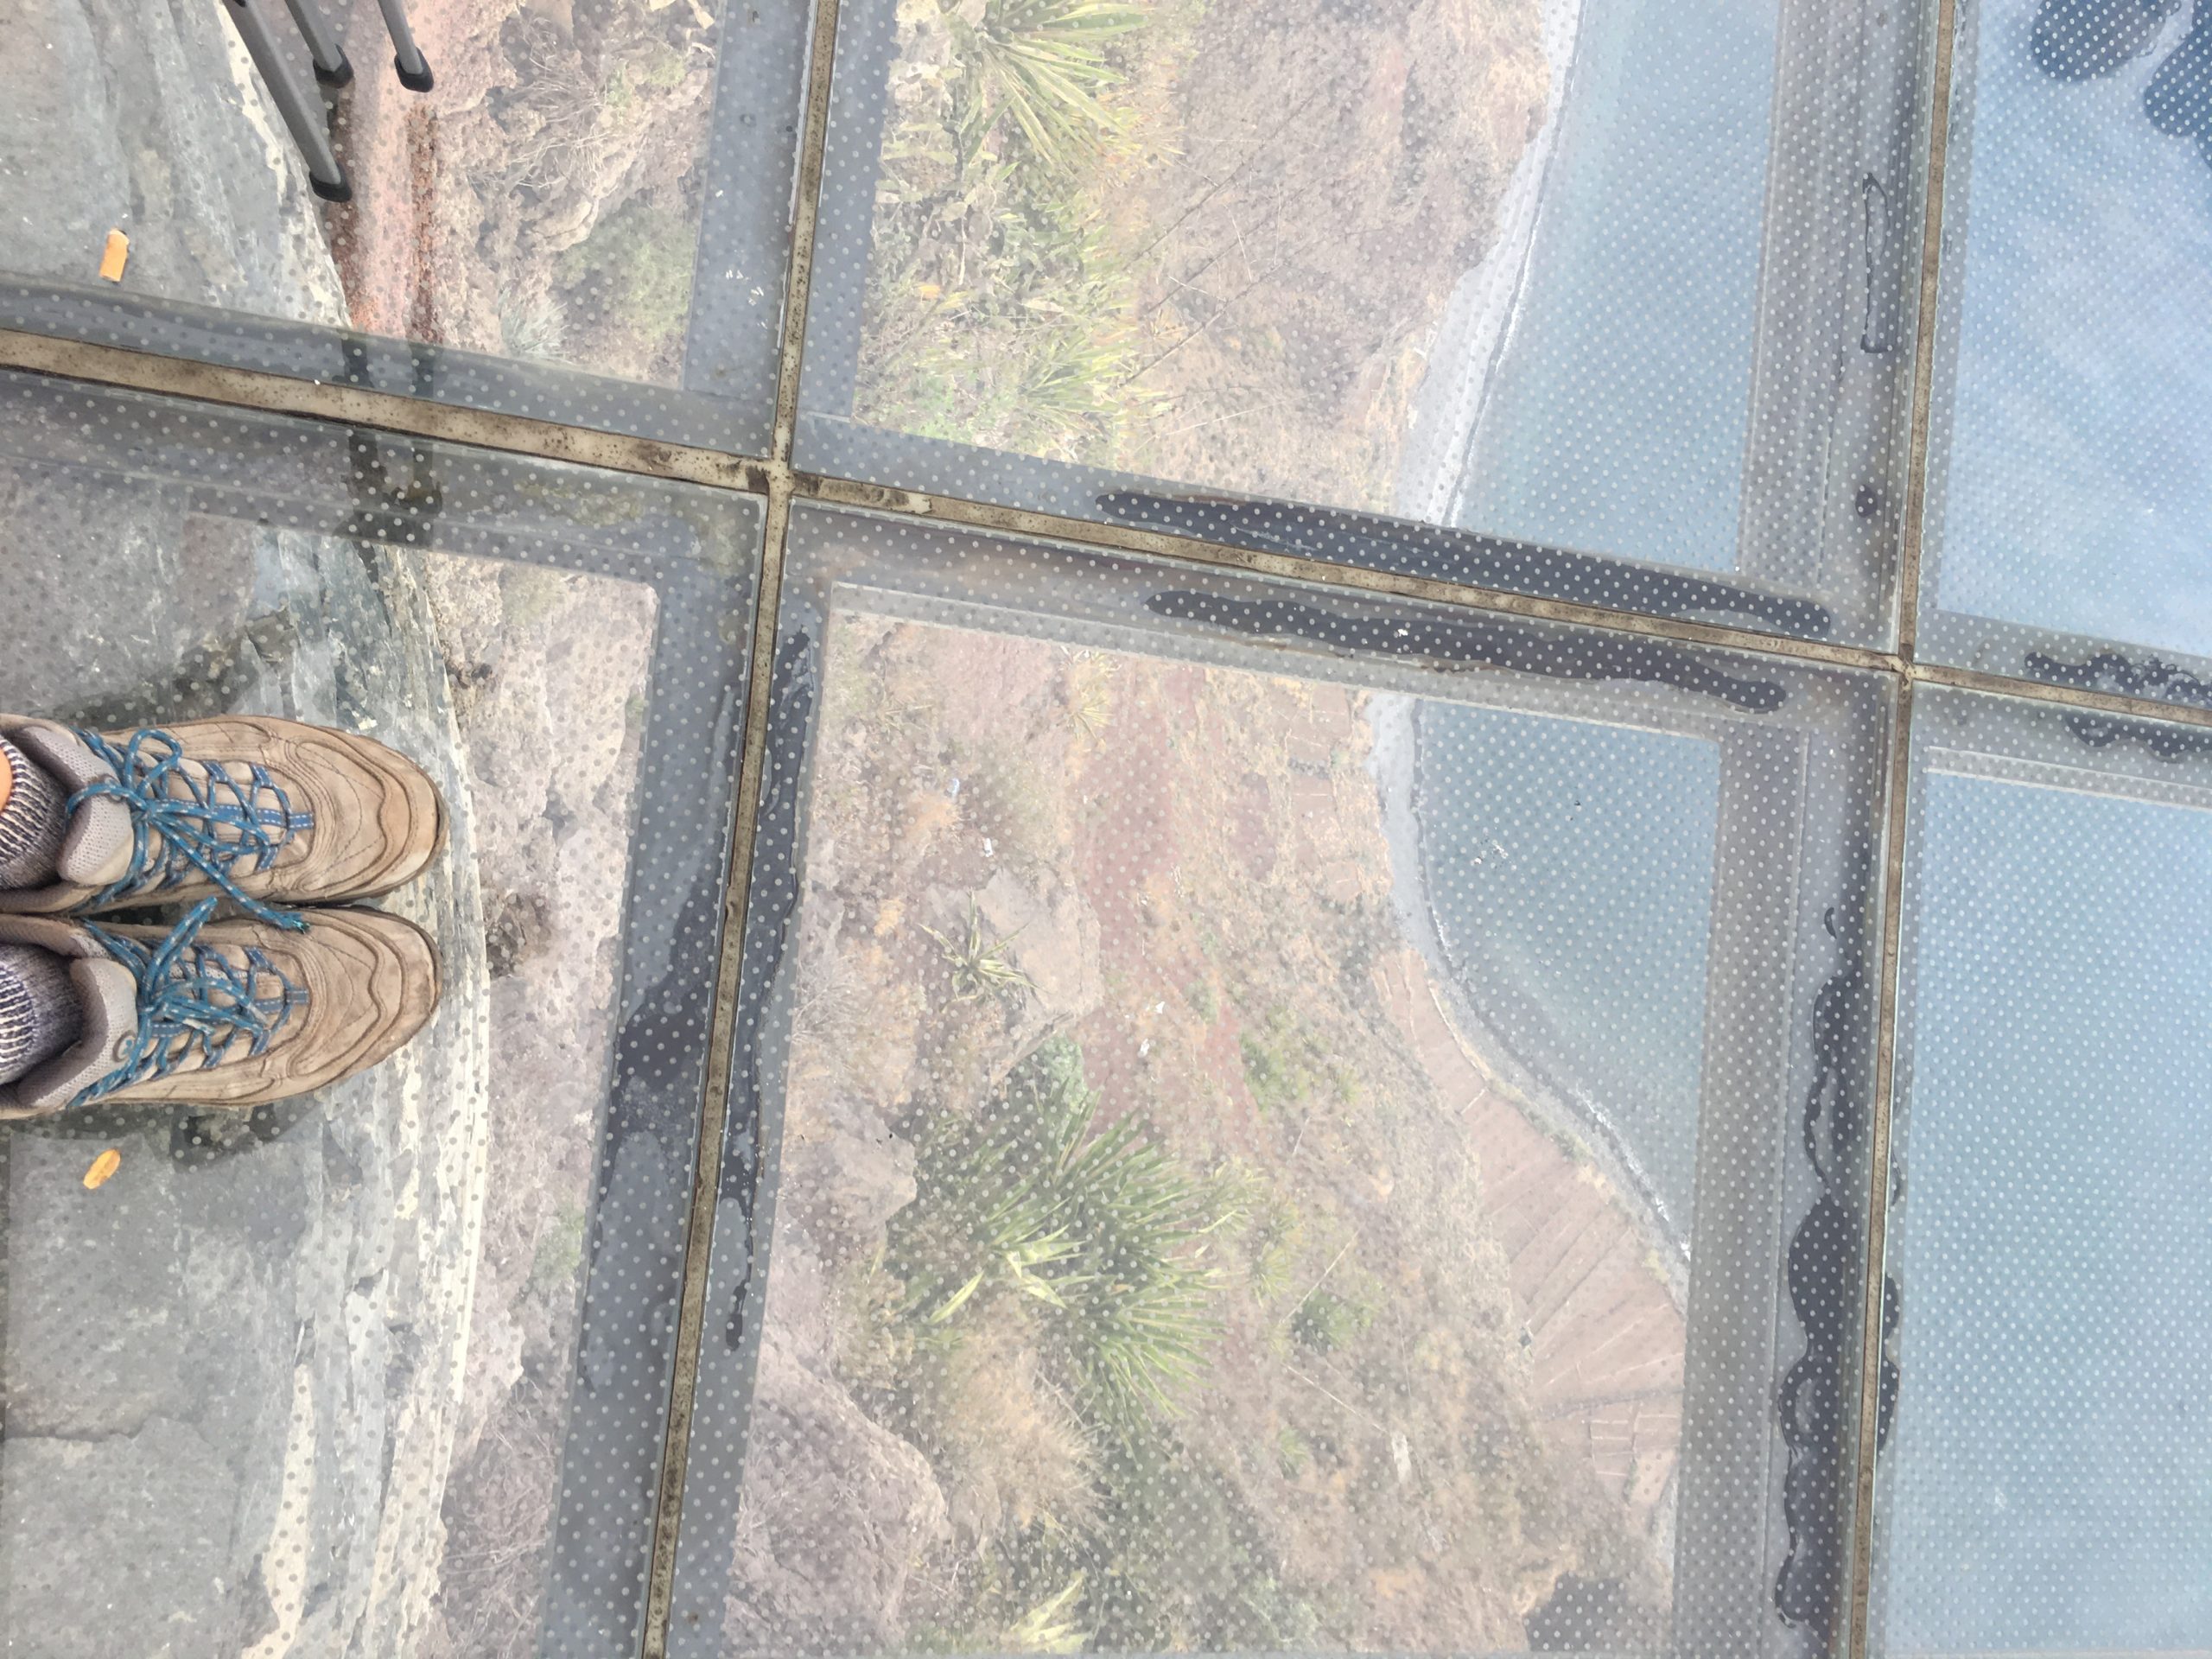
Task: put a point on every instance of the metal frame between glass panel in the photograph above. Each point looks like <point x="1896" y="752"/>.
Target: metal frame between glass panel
<point x="1788" y="1029"/>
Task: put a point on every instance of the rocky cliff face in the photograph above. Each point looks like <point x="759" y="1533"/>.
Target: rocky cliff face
<point x="548" y="669"/>
<point x="1438" y="1384"/>
<point x="231" y="1374"/>
<point x="295" y="1384"/>
<point x="150" y="120"/>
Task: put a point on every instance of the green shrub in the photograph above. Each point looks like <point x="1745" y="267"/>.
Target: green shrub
<point x="998" y="309"/>
<point x="1285" y="1062"/>
<point x="979" y="970"/>
<point x="560" y="1253"/>
<point x="1271" y="1242"/>
<point x="1175" y="1562"/>
<point x="1276" y="1057"/>
<point x="636" y="264"/>
<point x="1033" y="1198"/>
<point x="1325" y="1322"/>
<point x="1048" y="1627"/>
<point x="1576" y="1149"/>
<point x="1039" y="66"/>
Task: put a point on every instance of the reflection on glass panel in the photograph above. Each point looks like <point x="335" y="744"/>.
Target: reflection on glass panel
<point x="597" y="187"/>
<point x="2047" y="1485"/>
<point x="1590" y="274"/>
<point x="304" y="1377"/>
<point x="1237" y="1118"/>
<point x="2070" y="454"/>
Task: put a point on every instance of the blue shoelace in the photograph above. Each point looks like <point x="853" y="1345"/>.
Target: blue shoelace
<point x="195" y="1004"/>
<point x="190" y="812"/>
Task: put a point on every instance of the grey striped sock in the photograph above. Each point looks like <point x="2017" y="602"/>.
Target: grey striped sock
<point x="33" y="820"/>
<point x="40" y="1014"/>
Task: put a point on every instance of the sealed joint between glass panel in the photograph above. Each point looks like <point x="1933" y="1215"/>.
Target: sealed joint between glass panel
<point x="838" y="1189"/>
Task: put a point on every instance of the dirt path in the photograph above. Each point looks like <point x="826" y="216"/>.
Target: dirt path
<point x="541" y="202"/>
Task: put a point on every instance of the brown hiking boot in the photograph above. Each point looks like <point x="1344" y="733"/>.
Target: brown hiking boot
<point x="225" y="1014"/>
<point x="264" y="811"/>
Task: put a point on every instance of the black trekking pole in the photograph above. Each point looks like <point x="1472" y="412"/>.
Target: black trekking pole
<point x="302" y="114"/>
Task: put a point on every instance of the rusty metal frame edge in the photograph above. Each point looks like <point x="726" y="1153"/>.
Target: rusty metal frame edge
<point x="1896" y="778"/>
<point x="1861" y="1585"/>
<point x="129" y="369"/>
<point x="1924" y="320"/>
<point x="774" y="474"/>
<point x="698" y="1245"/>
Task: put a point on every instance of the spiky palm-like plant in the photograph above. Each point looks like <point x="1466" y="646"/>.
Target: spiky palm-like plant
<point x="1042" y="65"/>
<point x="979" y="970"/>
<point x="1098" y="1224"/>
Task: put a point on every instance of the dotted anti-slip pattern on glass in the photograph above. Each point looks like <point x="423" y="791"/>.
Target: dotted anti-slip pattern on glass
<point x="1346" y="1114"/>
<point x="383" y="1368"/>
<point x="2046" y="1487"/>
<point x="2070" y="475"/>
<point x="1610" y="301"/>
<point x="1269" y="1120"/>
<point x="585" y="218"/>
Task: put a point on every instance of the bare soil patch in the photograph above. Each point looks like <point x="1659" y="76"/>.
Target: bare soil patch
<point x="1423" y="1395"/>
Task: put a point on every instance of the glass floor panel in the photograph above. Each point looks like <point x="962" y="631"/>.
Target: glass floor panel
<point x="1604" y="299"/>
<point x="585" y="218"/>
<point x="383" y="1368"/>
<point x="2047" y="1486"/>
<point x="1274" y="1123"/>
<point x="1262" y="1115"/>
<point x="2070" y="476"/>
